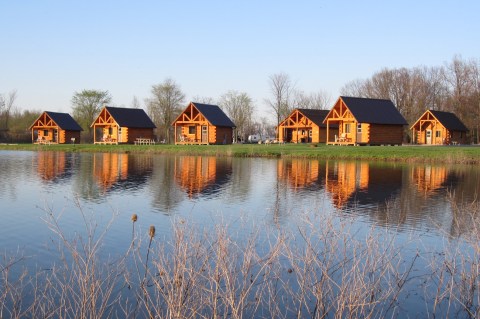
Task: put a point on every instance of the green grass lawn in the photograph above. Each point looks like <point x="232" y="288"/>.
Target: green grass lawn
<point x="443" y="154"/>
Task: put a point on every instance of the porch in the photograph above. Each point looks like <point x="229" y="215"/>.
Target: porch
<point x="184" y="139"/>
<point x="343" y="139"/>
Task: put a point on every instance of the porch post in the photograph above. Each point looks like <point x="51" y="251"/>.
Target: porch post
<point x="328" y="132"/>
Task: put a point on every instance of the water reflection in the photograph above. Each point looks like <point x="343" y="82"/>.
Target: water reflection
<point x="429" y="178"/>
<point x="418" y="197"/>
<point x="301" y="174"/>
<point x="56" y="166"/>
<point x="121" y="171"/>
<point x="197" y="175"/>
<point x="343" y="179"/>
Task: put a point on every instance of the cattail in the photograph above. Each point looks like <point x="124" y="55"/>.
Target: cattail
<point x="134" y="217"/>
<point x="151" y="232"/>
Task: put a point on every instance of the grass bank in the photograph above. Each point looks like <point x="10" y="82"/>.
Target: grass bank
<point x="439" y="154"/>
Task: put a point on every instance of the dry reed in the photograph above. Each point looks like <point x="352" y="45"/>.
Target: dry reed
<point x="324" y="269"/>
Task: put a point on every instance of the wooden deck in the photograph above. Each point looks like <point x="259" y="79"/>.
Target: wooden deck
<point x="144" y="141"/>
<point x="44" y="142"/>
<point x="106" y="142"/>
<point x="191" y="143"/>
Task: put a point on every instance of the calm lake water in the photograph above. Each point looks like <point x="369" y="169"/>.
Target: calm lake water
<point x="420" y="199"/>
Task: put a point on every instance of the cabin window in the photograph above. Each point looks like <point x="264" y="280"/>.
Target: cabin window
<point x="347" y="128"/>
<point x="191" y="130"/>
<point x="438" y="133"/>
<point x="359" y="128"/>
<point x="310" y="133"/>
<point x="45" y="132"/>
<point x="110" y="131"/>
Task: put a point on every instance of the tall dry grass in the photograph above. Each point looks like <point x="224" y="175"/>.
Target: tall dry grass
<point x="328" y="267"/>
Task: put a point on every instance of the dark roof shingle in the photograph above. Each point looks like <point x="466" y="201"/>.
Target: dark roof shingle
<point x="374" y="111"/>
<point x="127" y="117"/>
<point x="214" y="114"/>
<point x="64" y="121"/>
<point x="316" y="116"/>
<point x="449" y="120"/>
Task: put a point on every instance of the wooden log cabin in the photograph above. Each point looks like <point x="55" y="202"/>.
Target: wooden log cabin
<point x="306" y="126"/>
<point x="122" y="125"/>
<point x="364" y="121"/>
<point x="203" y="124"/>
<point x="439" y="128"/>
<point x="55" y="128"/>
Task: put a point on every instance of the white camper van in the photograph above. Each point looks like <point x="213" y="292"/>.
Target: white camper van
<point x="255" y="138"/>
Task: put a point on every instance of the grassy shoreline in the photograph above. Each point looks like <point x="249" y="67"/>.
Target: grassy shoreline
<point x="407" y="153"/>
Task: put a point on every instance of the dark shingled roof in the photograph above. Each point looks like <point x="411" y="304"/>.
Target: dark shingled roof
<point x="126" y="117"/>
<point x="214" y="114"/>
<point x="316" y="116"/>
<point x="374" y="111"/>
<point x="64" y="121"/>
<point x="449" y="120"/>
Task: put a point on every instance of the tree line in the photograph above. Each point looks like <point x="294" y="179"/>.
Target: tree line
<point x="453" y="87"/>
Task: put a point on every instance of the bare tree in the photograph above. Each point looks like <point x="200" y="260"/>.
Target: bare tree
<point x="476" y="99"/>
<point x="135" y="103"/>
<point x="7" y="105"/>
<point x="239" y="107"/>
<point x="86" y="105"/>
<point x="281" y="88"/>
<point x="164" y="105"/>
<point x="354" y="88"/>
<point x="318" y="100"/>
<point x="203" y="99"/>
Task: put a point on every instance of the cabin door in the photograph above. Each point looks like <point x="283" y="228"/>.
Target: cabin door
<point x="119" y="135"/>
<point x="428" y="137"/>
<point x="204" y="134"/>
<point x="359" y="133"/>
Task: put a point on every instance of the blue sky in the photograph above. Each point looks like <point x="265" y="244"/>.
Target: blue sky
<point x="50" y="49"/>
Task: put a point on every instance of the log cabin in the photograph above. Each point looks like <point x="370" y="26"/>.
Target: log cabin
<point x="306" y="126"/>
<point x="55" y="128"/>
<point x="122" y="125"/>
<point x="439" y="128"/>
<point x="203" y="124"/>
<point x="364" y="121"/>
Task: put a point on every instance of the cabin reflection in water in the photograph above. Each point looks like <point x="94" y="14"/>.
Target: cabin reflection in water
<point x="362" y="184"/>
<point x="202" y="175"/>
<point x="111" y="169"/>
<point x="51" y="165"/>
<point x="300" y="173"/>
<point x="429" y="178"/>
<point x="108" y="168"/>
<point x="344" y="178"/>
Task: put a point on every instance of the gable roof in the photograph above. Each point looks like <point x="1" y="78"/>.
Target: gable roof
<point x="214" y="114"/>
<point x="374" y="111"/>
<point x="127" y="117"/>
<point x="64" y="121"/>
<point x="449" y="120"/>
<point x="316" y="116"/>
